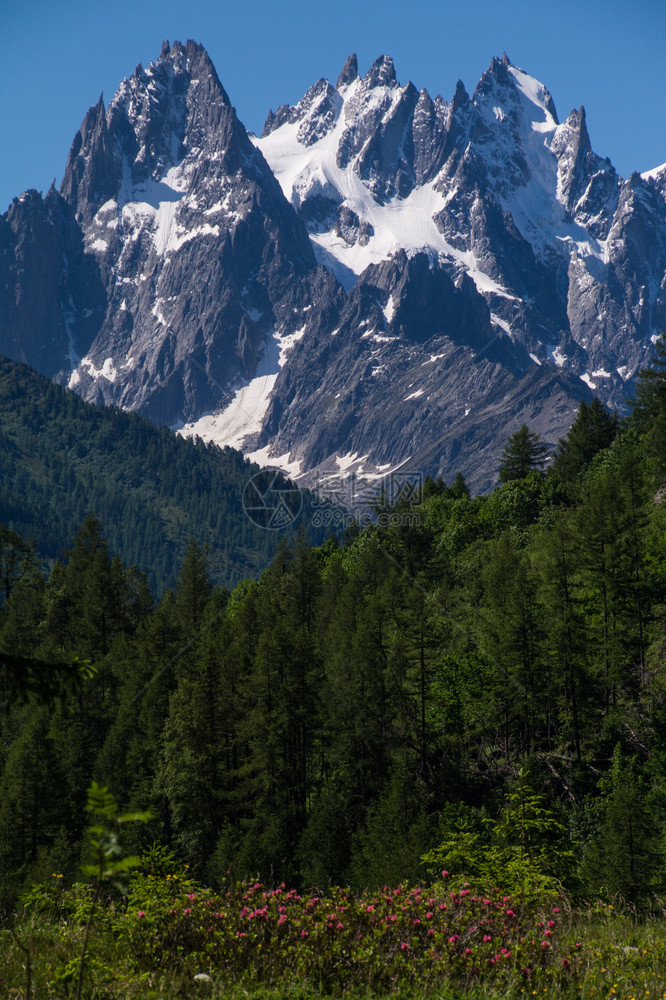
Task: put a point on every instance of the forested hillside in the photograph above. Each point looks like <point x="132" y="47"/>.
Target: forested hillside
<point x="357" y="707"/>
<point x="62" y="460"/>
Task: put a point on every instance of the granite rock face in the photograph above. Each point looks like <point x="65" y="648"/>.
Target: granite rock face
<point x="384" y="279"/>
<point x="197" y="247"/>
<point x="52" y="300"/>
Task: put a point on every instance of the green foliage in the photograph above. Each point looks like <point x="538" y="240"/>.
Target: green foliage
<point x="110" y="864"/>
<point x="595" y="952"/>
<point x="381" y="942"/>
<point x="525" y="852"/>
<point x="324" y="723"/>
<point x="625" y="857"/>
<point x="524" y="451"/>
<point x="63" y="459"/>
<point x="593" y="430"/>
<point x="649" y="405"/>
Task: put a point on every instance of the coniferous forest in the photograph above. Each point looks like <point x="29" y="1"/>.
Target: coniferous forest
<point x="62" y="459"/>
<point x="473" y="686"/>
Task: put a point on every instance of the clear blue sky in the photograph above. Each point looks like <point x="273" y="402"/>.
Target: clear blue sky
<point x="56" y="58"/>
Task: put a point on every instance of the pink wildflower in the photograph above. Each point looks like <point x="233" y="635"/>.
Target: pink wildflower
<point x="404" y="946"/>
<point x="141" y="913"/>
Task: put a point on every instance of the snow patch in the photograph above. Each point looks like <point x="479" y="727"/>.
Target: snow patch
<point x="556" y="356"/>
<point x="345" y="462"/>
<point x="400" y="223"/>
<point x="654" y="173"/>
<point x="107" y="371"/>
<point x="389" y="309"/>
<point x="291" y="467"/>
<point x="177" y="241"/>
<point x="244" y="412"/>
<point x="502" y="324"/>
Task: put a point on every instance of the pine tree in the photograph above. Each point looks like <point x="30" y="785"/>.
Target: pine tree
<point x="459" y="487"/>
<point x="17" y="558"/>
<point x="524" y="451"/>
<point x="626" y="857"/>
<point x="194" y="588"/>
<point x="649" y="404"/>
<point x="593" y="429"/>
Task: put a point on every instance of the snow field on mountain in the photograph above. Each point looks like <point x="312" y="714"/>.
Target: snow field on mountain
<point x="244" y="413"/>
<point x="407" y="224"/>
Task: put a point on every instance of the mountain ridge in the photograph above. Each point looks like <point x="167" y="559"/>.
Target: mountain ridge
<point x="231" y="264"/>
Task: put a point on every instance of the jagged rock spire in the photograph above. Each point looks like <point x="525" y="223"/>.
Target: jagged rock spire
<point x="349" y="71"/>
<point x="381" y="73"/>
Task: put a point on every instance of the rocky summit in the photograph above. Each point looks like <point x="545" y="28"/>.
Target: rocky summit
<point x="383" y="280"/>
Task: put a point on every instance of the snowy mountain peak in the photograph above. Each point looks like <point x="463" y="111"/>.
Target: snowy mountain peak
<point x="191" y="233"/>
<point x="481" y="266"/>
<point x="381" y="73"/>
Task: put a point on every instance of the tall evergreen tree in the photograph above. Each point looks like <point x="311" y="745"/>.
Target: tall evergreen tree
<point x="524" y="451"/>
<point x="194" y="588"/>
<point x="593" y="429"/>
<point x="649" y="404"/>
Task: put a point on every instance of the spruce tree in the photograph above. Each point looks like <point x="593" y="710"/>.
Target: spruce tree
<point x="524" y="451"/>
<point x="459" y="487"/>
<point x="194" y="588"/>
<point x="593" y="429"/>
<point x="649" y="404"/>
